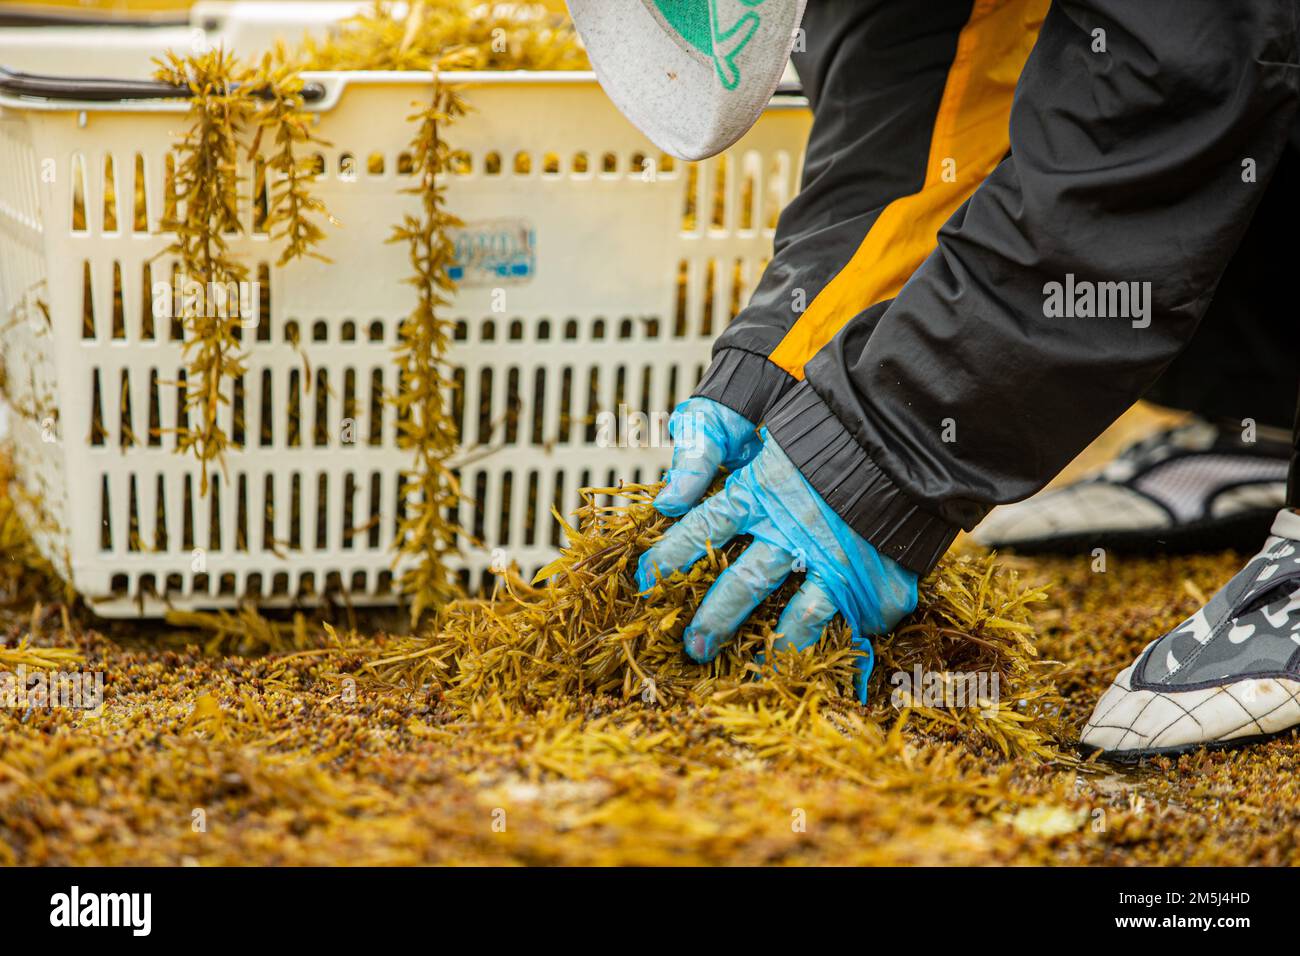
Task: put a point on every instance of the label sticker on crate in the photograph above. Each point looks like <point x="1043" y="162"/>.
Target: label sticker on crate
<point x="494" y="252"/>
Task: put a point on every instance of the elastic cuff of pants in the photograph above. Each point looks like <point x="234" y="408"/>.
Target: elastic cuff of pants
<point x="854" y="485"/>
<point x="745" y="382"/>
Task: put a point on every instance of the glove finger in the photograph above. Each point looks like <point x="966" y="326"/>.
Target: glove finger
<point x="715" y="521"/>
<point x="864" y="667"/>
<point x="693" y="469"/>
<point x="758" y="572"/>
<point x="805" y="617"/>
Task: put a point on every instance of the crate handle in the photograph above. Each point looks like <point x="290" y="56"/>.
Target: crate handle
<point x="47" y="17"/>
<point x="94" y="90"/>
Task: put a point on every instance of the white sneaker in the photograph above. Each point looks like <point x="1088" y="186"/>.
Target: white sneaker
<point x="1229" y="674"/>
<point x="1192" y="488"/>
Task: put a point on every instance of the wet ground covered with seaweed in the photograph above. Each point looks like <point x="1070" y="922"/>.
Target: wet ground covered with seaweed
<point x="563" y="726"/>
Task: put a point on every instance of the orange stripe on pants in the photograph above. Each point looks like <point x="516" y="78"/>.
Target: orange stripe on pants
<point x="970" y="138"/>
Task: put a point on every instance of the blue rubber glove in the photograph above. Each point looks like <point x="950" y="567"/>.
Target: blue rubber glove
<point x="705" y="435"/>
<point x="793" y="529"/>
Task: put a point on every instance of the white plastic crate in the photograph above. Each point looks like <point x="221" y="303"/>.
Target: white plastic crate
<point x="588" y="317"/>
<point x="70" y="43"/>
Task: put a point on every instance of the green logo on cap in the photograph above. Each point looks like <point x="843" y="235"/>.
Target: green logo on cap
<point x="698" y="22"/>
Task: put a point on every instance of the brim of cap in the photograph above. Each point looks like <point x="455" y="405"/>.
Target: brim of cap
<point x="671" y="92"/>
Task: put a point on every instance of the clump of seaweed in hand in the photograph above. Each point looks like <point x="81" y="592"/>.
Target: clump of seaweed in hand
<point x="585" y="633"/>
<point x="973" y="628"/>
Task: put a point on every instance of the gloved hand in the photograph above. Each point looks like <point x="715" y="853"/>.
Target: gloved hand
<point x="705" y="435"/>
<point x="793" y="529"/>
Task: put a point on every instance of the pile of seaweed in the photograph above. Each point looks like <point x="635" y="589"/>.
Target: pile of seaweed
<point x="509" y="731"/>
<point x="586" y="634"/>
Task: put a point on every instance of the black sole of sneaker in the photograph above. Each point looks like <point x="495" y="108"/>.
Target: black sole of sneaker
<point x="1243" y="532"/>
<point x="1130" y="758"/>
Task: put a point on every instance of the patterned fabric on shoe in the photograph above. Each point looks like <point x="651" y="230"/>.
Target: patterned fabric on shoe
<point x="1226" y="675"/>
<point x="1251" y="627"/>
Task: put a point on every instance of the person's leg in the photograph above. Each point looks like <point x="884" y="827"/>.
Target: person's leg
<point x="1230" y="673"/>
<point x="1218" y="481"/>
<point x="1243" y="363"/>
<point x="1293" y="479"/>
